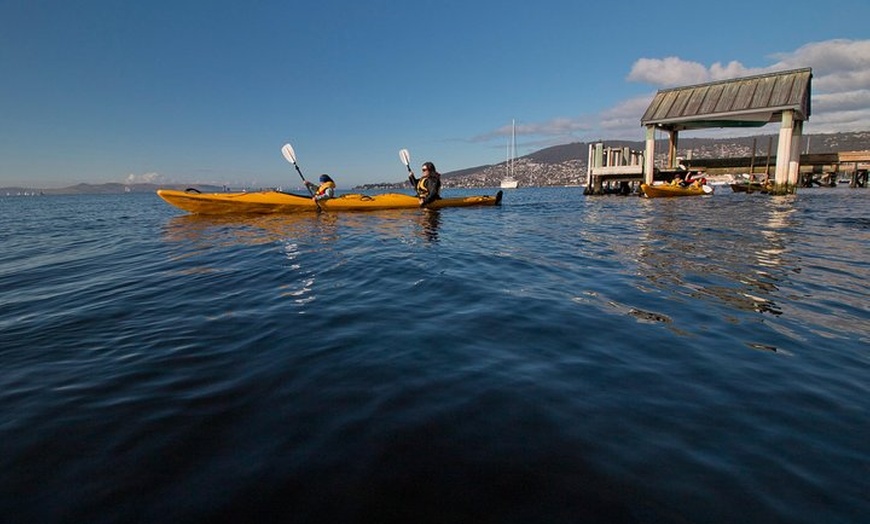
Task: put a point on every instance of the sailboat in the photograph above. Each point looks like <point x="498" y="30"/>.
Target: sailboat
<point x="509" y="182"/>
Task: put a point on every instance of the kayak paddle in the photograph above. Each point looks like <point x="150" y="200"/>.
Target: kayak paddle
<point x="290" y="155"/>
<point x="406" y="159"/>
<point x="405" y="156"/>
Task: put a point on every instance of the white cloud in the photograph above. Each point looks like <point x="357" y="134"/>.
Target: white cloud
<point x="623" y="120"/>
<point x="673" y="71"/>
<point x="832" y="57"/>
<point x="555" y="128"/>
<point x="842" y="101"/>
<point x="734" y="69"/>
<point x="146" y="178"/>
<point x="670" y="71"/>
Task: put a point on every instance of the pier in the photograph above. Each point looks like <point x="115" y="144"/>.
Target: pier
<point x="747" y="102"/>
<point x="619" y="170"/>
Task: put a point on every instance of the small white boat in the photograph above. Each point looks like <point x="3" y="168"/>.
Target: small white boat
<point x="509" y="183"/>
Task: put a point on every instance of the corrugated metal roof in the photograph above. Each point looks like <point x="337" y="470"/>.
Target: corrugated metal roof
<point x="751" y="101"/>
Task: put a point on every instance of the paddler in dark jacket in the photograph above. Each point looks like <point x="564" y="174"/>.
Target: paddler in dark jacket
<point x="324" y="191"/>
<point x="428" y="188"/>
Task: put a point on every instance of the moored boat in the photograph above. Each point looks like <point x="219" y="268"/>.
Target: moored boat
<point x="510" y="181"/>
<point x="672" y="190"/>
<point x="263" y="202"/>
<point x="750" y="187"/>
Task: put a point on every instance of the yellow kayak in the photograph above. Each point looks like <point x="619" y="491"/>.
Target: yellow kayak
<point x="279" y="202"/>
<point x="668" y="190"/>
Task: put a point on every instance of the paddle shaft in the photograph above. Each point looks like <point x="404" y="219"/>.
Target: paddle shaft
<point x="290" y="155"/>
<point x="303" y="179"/>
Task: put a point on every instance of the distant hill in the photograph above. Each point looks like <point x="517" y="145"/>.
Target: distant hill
<point x="109" y="188"/>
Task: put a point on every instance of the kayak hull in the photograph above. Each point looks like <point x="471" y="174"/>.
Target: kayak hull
<point x="266" y="202"/>
<point x="667" y="190"/>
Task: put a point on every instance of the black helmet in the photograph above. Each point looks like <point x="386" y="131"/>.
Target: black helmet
<point x="325" y="178"/>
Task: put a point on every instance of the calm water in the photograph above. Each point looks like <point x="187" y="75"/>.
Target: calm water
<point x="557" y="359"/>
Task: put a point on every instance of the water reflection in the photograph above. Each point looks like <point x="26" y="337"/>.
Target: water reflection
<point x="203" y="232"/>
<point x="735" y="254"/>
<point x="207" y="231"/>
<point x="430" y="221"/>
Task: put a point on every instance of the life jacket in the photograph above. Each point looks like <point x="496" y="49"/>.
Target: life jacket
<point x="324" y="187"/>
<point x="428" y="184"/>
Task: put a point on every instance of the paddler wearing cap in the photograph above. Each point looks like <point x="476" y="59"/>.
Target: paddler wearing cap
<point x="324" y="191"/>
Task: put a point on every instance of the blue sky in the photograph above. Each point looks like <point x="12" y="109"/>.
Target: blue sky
<point x="207" y="92"/>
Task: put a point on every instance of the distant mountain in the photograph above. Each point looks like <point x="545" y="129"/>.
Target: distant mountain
<point x="566" y="164"/>
<point x="109" y="188"/>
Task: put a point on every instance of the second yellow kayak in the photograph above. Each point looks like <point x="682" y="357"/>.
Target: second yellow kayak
<point x="668" y="190"/>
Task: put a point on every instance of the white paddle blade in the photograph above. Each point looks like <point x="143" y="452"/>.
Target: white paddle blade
<point x="405" y="156"/>
<point x="289" y="154"/>
<point x="707" y="189"/>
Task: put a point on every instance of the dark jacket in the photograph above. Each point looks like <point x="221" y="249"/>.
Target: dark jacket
<point x="428" y="188"/>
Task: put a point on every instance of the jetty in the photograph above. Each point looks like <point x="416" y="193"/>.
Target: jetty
<point x="613" y="170"/>
<point x="817" y="169"/>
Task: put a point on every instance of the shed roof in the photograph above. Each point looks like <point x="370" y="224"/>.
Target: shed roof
<point x="751" y="101"/>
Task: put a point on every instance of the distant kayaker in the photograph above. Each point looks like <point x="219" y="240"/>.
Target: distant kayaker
<point x="695" y="179"/>
<point x="679" y="180"/>
<point x="324" y="191"/>
<point x="428" y="188"/>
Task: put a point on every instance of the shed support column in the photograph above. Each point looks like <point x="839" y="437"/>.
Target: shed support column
<point x="673" y="139"/>
<point x="794" y="163"/>
<point x="784" y="152"/>
<point x="598" y="160"/>
<point x="649" y="164"/>
<point x="589" y="169"/>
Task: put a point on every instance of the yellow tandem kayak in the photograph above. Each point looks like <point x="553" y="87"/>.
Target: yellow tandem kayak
<point x="669" y="190"/>
<point x="263" y="202"/>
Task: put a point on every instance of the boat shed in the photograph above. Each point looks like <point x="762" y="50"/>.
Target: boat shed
<point x="752" y="101"/>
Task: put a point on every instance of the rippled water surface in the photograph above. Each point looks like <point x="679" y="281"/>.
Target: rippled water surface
<point x="560" y="358"/>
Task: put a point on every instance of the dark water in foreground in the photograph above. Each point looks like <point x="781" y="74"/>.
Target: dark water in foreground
<point x="558" y="359"/>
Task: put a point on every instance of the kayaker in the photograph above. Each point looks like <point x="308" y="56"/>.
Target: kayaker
<point x="428" y="188"/>
<point x="695" y="179"/>
<point x="324" y="191"/>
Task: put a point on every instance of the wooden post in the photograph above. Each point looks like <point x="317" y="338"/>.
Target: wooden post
<point x="673" y="138"/>
<point x="649" y="165"/>
<point x="752" y="160"/>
